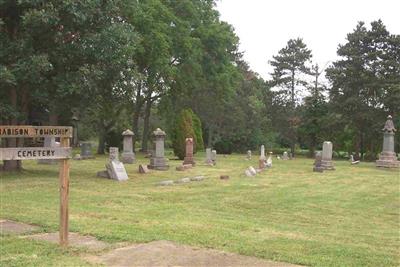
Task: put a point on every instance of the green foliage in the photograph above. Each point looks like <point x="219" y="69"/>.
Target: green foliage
<point x="290" y="67"/>
<point x="198" y="132"/>
<point x="223" y="146"/>
<point x="183" y="129"/>
<point x="364" y="84"/>
<point x="313" y="121"/>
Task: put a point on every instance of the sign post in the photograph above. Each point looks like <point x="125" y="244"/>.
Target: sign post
<point x="62" y="153"/>
<point x="64" y="194"/>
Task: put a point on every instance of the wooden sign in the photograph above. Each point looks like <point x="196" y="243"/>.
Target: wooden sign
<point x="63" y="153"/>
<point x="25" y="153"/>
<point x="7" y="131"/>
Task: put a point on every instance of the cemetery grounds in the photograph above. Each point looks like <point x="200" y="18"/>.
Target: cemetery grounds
<point x="346" y="217"/>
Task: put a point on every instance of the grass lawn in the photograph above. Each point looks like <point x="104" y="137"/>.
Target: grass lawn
<point x="346" y="217"/>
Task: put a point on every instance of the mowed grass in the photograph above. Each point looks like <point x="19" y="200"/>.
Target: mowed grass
<point x="346" y="217"/>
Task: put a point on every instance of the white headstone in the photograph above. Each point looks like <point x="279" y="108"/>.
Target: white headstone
<point x="248" y="155"/>
<point x="326" y="161"/>
<point x="116" y="171"/>
<point x="327" y="150"/>
<point x="269" y="161"/>
<point x="113" y="154"/>
<point x="262" y="153"/>
<point x="252" y="170"/>
<point x="208" y="156"/>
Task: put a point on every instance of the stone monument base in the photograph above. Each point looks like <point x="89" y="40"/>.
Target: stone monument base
<point x="327" y="164"/>
<point x="388" y="160"/>
<point x="189" y="160"/>
<point x="158" y="164"/>
<point x="128" y="157"/>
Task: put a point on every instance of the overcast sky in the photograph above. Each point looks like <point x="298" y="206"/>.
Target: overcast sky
<point x="265" y="26"/>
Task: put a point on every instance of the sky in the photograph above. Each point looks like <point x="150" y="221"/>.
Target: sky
<point x="265" y="26"/>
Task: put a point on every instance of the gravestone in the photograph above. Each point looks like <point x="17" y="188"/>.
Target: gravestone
<point x="143" y="168"/>
<point x="214" y="156"/>
<point x="209" y="156"/>
<point x="49" y="142"/>
<point x="86" y="150"/>
<point x="327" y="162"/>
<point x="184" y="167"/>
<point x="183" y="180"/>
<point x="248" y="156"/>
<point x="388" y="158"/>
<point x="197" y="178"/>
<point x="285" y="156"/>
<point x="166" y="183"/>
<point x="352" y="161"/>
<point x="157" y="160"/>
<point x="269" y="161"/>
<point x="189" y="152"/>
<point x="114" y="168"/>
<point x="127" y="155"/>
<point x="262" y="152"/>
<point x="318" y="163"/>
<point x="250" y="171"/>
<point x="262" y="159"/>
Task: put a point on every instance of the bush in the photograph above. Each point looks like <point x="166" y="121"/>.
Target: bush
<point x="224" y="146"/>
<point x="114" y="139"/>
<point x="199" y="143"/>
<point x="183" y="129"/>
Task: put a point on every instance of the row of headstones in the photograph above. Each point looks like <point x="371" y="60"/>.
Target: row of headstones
<point x="263" y="162"/>
<point x="116" y="170"/>
<point x="387" y="159"/>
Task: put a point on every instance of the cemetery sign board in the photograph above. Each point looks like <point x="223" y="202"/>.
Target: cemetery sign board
<point x="25" y="153"/>
<point x="35" y="131"/>
<point x="62" y="153"/>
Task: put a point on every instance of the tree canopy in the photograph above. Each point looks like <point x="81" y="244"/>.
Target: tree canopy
<point x="121" y="64"/>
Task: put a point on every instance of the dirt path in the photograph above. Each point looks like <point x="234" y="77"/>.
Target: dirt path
<point x="156" y="253"/>
<point x="166" y="253"/>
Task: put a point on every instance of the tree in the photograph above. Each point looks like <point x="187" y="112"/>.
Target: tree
<point x="313" y="120"/>
<point x="365" y="82"/>
<point x="183" y="129"/>
<point x="290" y="67"/>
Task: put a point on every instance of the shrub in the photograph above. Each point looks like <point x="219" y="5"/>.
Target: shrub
<point x="224" y="146"/>
<point x="182" y="130"/>
<point x="199" y="143"/>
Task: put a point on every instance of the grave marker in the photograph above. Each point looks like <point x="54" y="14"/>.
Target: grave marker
<point x="189" y="152"/>
<point x="326" y="161"/>
<point x="157" y="160"/>
<point x="388" y="157"/>
<point x="127" y="155"/>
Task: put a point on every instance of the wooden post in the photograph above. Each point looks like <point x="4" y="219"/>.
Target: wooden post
<point x="64" y="191"/>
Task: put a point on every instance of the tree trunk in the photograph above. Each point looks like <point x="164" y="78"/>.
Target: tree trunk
<point x="102" y="142"/>
<point x="293" y="141"/>
<point x="292" y="90"/>
<point x="210" y="137"/>
<point x="136" y="116"/>
<point x="146" y="126"/>
<point x="292" y="148"/>
<point x="356" y="146"/>
<point x="312" y="146"/>
<point x="362" y="145"/>
<point x="12" y="165"/>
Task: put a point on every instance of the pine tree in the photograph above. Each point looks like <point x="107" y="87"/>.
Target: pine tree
<point x="290" y="66"/>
